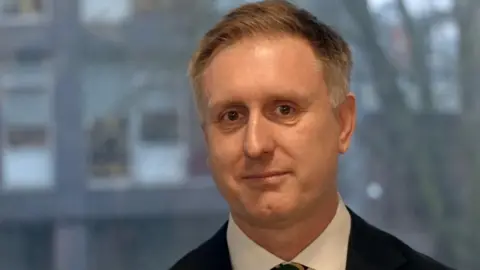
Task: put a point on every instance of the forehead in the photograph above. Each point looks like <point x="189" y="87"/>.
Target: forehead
<point x="260" y="67"/>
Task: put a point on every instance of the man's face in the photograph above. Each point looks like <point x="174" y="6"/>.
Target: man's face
<point x="273" y="137"/>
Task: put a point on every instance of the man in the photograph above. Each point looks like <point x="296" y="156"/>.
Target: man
<point x="272" y="89"/>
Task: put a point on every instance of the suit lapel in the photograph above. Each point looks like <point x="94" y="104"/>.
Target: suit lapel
<point x="370" y="248"/>
<point x="215" y="253"/>
<point x="356" y="262"/>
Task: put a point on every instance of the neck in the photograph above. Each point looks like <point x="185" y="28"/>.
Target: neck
<point x="286" y="242"/>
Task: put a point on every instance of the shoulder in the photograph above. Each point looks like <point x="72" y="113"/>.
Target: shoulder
<point x="414" y="260"/>
<point x="384" y="250"/>
<point x="419" y="261"/>
<point x="212" y="254"/>
<point x="190" y="260"/>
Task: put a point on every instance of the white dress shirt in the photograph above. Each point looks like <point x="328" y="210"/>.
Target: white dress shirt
<point x="327" y="252"/>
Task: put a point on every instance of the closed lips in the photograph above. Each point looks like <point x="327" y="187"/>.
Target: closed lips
<point x="264" y="175"/>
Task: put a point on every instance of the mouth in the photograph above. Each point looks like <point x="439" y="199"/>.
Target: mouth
<point x="265" y="175"/>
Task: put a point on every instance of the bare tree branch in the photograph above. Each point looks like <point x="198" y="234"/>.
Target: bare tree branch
<point x="436" y="17"/>
<point x="468" y="62"/>
<point x="425" y="145"/>
<point x="419" y="47"/>
<point x="384" y="71"/>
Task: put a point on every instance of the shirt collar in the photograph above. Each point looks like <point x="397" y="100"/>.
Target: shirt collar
<point x="328" y="251"/>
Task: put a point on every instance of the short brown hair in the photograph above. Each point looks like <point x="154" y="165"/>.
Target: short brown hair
<point x="273" y="18"/>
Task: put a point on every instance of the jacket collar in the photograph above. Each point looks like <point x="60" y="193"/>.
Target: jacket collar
<point x="368" y="248"/>
<point x="371" y="248"/>
<point x="214" y="253"/>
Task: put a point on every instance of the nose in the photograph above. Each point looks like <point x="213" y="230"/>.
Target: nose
<point x="258" y="140"/>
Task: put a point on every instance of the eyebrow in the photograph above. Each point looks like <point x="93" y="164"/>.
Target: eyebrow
<point x="222" y="104"/>
<point x="295" y="96"/>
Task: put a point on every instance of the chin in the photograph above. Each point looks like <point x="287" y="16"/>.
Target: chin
<point x="270" y="212"/>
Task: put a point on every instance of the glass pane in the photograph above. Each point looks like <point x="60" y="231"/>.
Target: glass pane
<point x="412" y="170"/>
<point x="26" y="107"/>
<point x="27" y="143"/>
<point x="108" y="148"/>
<point x="105" y="11"/>
<point x="13" y="8"/>
<point x="18" y="137"/>
<point x="159" y="127"/>
<point x="131" y="112"/>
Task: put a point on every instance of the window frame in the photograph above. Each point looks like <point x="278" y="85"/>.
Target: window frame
<point x="145" y="76"/>
<point x="43" y="17"/>
<point x="46" y="86"/>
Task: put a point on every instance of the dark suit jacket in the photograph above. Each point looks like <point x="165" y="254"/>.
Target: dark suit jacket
<point x="369" y="249"/>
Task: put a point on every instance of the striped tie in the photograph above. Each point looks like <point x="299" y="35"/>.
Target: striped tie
<point x="291" y="266"/>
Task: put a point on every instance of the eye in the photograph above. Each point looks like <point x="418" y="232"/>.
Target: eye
<point x="285" y="110"/>
<point x="231" y="116"/>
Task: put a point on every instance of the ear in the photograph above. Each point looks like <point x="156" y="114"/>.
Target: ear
<point x="346" y="117"/>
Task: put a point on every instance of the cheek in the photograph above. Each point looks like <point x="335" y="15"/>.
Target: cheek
<point x="223" y="159"/>
<point x="313" y="149"/>
<point x="223" y="154"/>
<point x="309" y="138"/>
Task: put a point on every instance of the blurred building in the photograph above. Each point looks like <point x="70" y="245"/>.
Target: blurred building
<point x="103" y="164"/>
<point x="95" y="135"/>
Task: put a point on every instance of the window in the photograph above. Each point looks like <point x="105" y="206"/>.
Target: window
<point x="159" y="127"/>
<point x="158" y="154"/>
<point x="104" y="11"/>
<point x="105" y="88"/>
<point x="108" y="148"/>
<point x="27" y="141"/>
<point x="26" y="126"/>
<point x="132" y="120"/>
<point x="33" y="136"/>
<point x="10" y="9"/>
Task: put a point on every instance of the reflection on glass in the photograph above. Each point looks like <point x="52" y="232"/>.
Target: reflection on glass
<point x="410" y="170"/>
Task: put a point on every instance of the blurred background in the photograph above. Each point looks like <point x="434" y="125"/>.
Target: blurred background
<point x="103" y="164"/>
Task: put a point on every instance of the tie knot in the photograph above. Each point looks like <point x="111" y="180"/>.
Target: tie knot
<point x="290" y="266"/>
